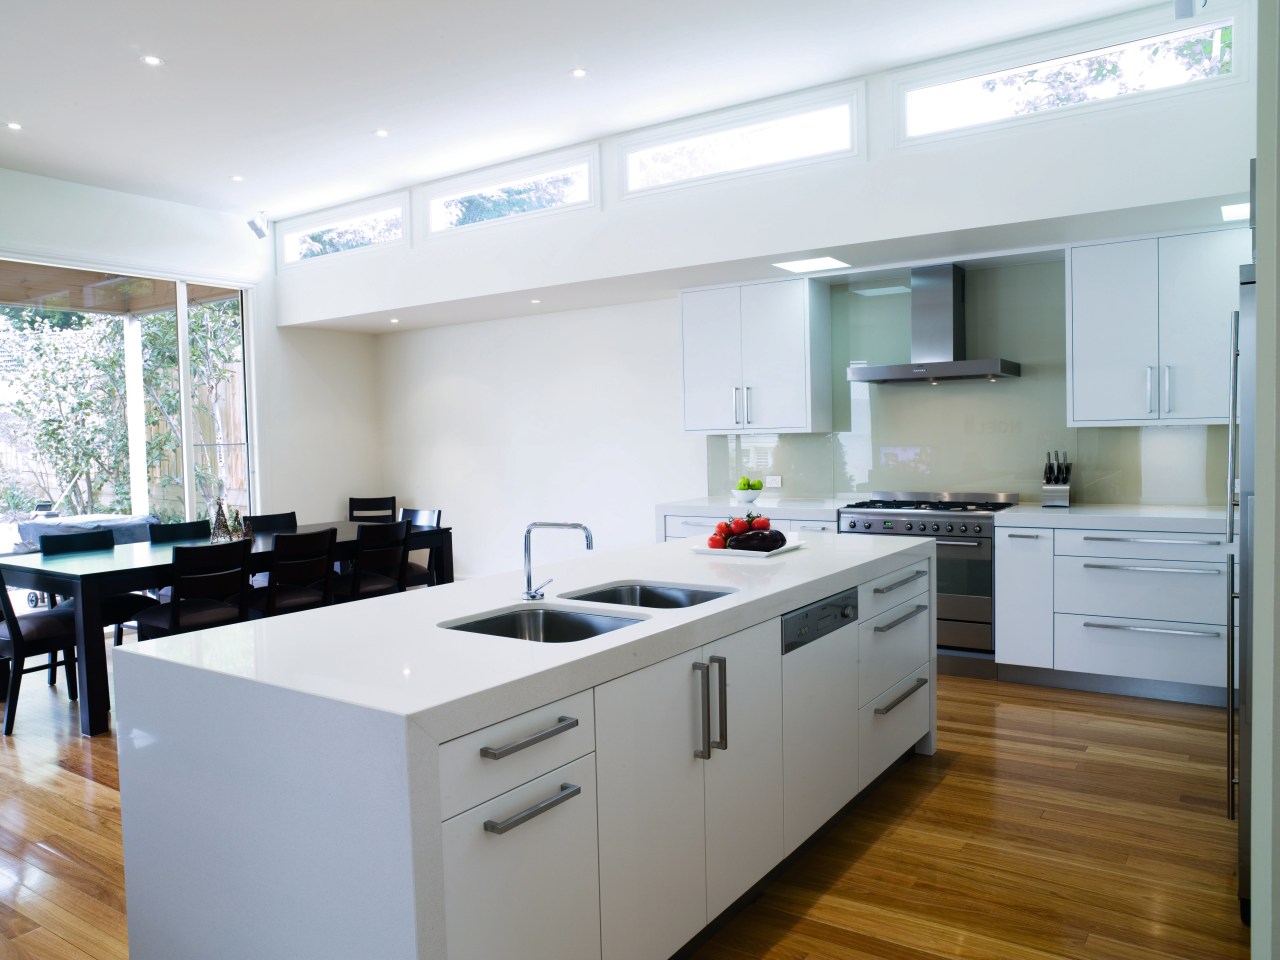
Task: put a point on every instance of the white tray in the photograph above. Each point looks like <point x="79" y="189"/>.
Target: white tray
<point x="790" y="545"/>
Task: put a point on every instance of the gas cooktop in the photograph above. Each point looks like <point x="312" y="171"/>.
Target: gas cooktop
<point x="937" y="502"/>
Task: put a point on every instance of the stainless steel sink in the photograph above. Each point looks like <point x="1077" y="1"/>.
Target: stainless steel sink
<point x="649" y="595"/>
<point x="542" y="625"/>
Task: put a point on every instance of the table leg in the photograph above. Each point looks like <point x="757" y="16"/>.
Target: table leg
<point x="444" y="562"/>
<point x="91" y="660"/>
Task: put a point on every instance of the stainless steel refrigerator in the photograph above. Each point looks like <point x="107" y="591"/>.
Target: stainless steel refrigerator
<point x="1240" y="494"/>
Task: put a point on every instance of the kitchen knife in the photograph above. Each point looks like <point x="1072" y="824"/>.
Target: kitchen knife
<point x="1048" y="468"/>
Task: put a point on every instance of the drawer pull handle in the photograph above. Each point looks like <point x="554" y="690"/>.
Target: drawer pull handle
<point x="1027" y="536"/>
<point x="881" y="711"/>
<point x="1176" y="633"/>
<point x="704" y="686"/>
<point x="890" y="587"/>
<point x="723" y="664"/>
<point x="497" y="753"/>
<point x="567" y="791"/>
<point x="886" y="627"/>
<point x="1120" y="566"/>
<point x="1194" y="543"/>
<point x="959" y="543"/>
<point x="698" y="523"/>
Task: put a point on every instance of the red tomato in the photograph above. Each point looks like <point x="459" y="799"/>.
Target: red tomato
<point x="723" y="529"/>
<point x="760" y="523"/>
<point x="739" y="525"/>
<point x="715" y="541"/>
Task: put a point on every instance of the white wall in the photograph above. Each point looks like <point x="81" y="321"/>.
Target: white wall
<point x="571" y="416"/>
<point x="317" y="440"/>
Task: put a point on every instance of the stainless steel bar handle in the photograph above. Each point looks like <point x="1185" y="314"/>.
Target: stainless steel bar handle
<point x="1150" y="404"/>
<point x="698" y="523"/>
<point x="1195" y="543"/>
<point x="515" y="746"/>
<point x="1166" y="389"/>
<point x="704" y="685"/>
<point x="1119" y="566"/>
<point x="723" y="742"/>
<point x="567" y="791"/>
<point x="959" y="543"/>
<point x="881" y="711"/>
<point x="1232" y="416"/>
<point x="886" y="627"/>
<point x="1231" y="687"/>
<point x="746" y="410"/>
<point x="1176" y="633"/>
<point x="736" y="417"/>
<point x="1027" y="536"/>
<point x="890" y="587"/>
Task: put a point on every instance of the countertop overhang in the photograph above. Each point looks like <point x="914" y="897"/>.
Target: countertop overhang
<point x="389" y="654"/>
<point x="1116" y="516"/>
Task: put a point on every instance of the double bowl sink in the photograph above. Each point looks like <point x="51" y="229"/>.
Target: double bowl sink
<point x="557" y="625"/>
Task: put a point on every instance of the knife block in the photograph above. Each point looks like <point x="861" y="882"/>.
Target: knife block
<point x="1055" y="495"/>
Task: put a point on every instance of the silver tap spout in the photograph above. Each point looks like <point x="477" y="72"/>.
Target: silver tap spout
<point x="530" y="591"/>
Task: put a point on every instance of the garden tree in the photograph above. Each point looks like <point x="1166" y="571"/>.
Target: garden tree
<point x="66" y="416"/>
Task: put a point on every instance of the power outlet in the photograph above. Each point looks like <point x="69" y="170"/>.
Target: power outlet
<point x="773" y="482"/>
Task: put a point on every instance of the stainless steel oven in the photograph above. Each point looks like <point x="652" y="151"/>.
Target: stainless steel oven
<point x="962" y="524"/>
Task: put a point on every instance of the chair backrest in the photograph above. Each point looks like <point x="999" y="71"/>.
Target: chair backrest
<point x="216" y="571"/>
<point x="173" y="532"/>
<point x="52" y="544"/>
<point x="381" y="548"/>
<point x="420" y="518"/>
<point x="301" y="559"/>
<point x="371" y="509"/>
<point x="18" y="645"/>
<point x="273" y="522"/>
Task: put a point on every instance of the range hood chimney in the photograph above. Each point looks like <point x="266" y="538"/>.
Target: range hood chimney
<point x="937" y="336"/>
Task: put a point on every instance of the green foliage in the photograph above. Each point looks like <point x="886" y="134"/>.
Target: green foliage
<point x="505" y="201"/>
<point x="365" y="233"/>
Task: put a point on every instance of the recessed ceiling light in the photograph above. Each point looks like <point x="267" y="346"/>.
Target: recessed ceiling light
<point x="151" y="60"/>
<point x="577" y="73"/>
<point x="381" y="133"/>
<point x="1230" y="211"/>
<point x="236" y="178"/>
<point x="395" y="319"/>
<point x="817" y="263"/>
<point x="13" y="126"/>
<point x="535" y="301"/>
<point x="881" y="291"/>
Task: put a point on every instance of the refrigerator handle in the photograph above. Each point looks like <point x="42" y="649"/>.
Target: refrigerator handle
<point x="1232" y="431"/>
<point x="1232" y="595"/>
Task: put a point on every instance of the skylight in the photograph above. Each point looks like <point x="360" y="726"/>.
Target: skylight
<point x="1139" y="66"/>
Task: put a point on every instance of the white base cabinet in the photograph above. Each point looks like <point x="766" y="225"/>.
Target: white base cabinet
<point x="1024" y="597"/>
<point x="683" y="836"/>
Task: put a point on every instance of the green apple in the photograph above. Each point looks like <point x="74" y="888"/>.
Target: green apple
<point x="744" y="483"/>
<point x="757" y="484"/>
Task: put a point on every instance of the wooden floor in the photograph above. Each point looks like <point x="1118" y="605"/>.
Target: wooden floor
<point x="1049" y="825"/>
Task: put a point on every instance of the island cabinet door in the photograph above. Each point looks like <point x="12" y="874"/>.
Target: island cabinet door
<point x="520" y="871"/>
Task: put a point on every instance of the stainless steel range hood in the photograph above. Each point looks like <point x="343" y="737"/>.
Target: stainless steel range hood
<point x="937" y="336"/>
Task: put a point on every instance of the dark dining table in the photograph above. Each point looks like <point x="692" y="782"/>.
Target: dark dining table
<point x="90" y="576"/>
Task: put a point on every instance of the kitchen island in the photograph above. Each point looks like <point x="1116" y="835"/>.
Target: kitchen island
<point x="342" y="782"/>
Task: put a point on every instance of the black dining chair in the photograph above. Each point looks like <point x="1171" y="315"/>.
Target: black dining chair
<point x="380" y="564"/>
<point x="42" y="633"/>
<point x="269" y="523"/>
<point x="174" y="532"/>
<point x="209" y="588"/>
<point x="371" y="509"/>
<point x="301" y="573"/>
<point x="117" y="609"/>
<point x="421" y="574"/>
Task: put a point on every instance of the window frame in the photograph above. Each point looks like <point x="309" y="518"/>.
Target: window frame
<point x="331" y="216"/>
<point x="850" y="93"/>
<point x="1080" y="41"/>
<point x="528" y="168"/>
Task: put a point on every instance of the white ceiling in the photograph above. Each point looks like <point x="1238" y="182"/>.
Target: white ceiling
<point x="287" y="93"/>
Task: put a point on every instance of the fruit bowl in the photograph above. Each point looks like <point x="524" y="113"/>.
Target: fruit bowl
<point x="745" y="496"/>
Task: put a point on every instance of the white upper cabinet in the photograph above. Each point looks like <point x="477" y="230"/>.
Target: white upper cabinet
<point x="757" y="358"/>
<point x="1149" y="328"/>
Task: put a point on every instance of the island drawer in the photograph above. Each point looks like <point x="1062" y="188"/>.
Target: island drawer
<point x="878" y="595"/>
<point x="1142" y="589"/>
<point x="1160" y="545"/>
<point x="890" y="724"/>
<point x="490" y="761"/>
<point x="1175" y="651"/>
<point x="892" y="645"/>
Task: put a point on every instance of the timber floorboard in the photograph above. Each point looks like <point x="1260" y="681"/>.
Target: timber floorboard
<point x="1050" y="825"/>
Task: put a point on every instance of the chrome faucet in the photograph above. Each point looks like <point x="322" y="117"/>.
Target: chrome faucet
<point x="530" y="591"/>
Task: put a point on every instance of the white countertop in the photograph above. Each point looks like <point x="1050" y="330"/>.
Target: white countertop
<point x="391" y="654"/>
<point x="1115" y="516"/>
<point x="784" y="508"/>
